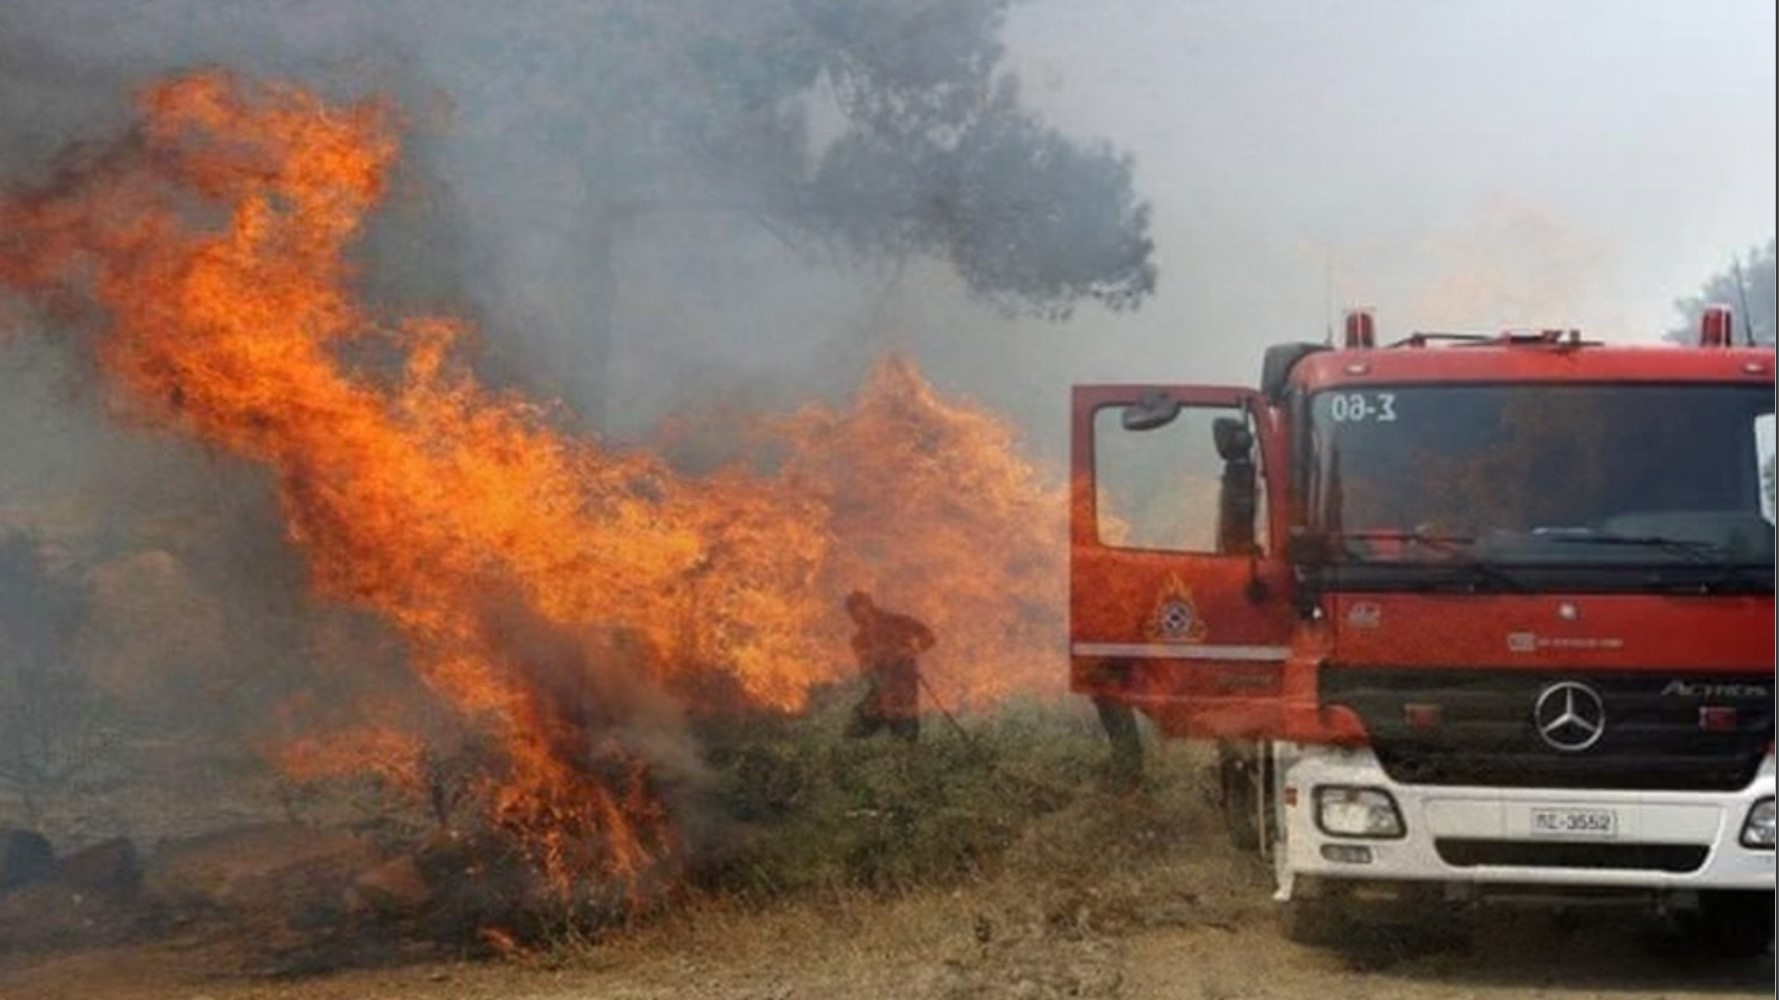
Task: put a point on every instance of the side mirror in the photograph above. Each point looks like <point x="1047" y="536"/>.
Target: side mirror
<point x="1238" y="501"/>
<point x="1235" y="442"/>
<point x="1306" y="547"/>
<point x="1154" y="409"/>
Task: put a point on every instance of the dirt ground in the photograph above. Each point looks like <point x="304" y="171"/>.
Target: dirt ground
<point x="1195" y="925"/>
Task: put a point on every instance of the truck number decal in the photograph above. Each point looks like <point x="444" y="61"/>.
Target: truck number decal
<point x="1358" y="407"/>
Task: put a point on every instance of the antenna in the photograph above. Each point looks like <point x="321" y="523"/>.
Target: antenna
<point x="1328" y="295"/>
<point x="1742" y="301"/>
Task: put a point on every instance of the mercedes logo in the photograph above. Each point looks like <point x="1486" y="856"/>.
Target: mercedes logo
<point x="1570" y="716"/>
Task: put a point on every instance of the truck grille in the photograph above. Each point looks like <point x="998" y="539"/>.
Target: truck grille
<point x="1468" y="853"/>
<point x="1476" y="727"/>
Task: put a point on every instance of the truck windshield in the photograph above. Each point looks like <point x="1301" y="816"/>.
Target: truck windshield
<point x="1548" y="474"/>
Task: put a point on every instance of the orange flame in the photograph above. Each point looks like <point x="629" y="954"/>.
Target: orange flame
<point x="546" y="587"/>
<point x="392" y="754"/>
<point x="935" y="511"/>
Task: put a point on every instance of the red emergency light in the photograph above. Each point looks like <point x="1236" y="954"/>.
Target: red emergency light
<point x="1361" y="330"/>
<point x="1717" y="719"/>
<point x="1716" y="324"/>
<point x="1422" y="715"/>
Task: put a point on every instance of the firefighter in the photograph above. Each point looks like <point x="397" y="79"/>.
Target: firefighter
<point x="887" y="646"/>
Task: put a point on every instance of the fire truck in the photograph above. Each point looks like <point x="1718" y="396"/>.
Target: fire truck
<point x="1469" y="618"/>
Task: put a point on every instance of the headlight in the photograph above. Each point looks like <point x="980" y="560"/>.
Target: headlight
<point x="1757" y="830"/>
<point x="1345" y="811"/>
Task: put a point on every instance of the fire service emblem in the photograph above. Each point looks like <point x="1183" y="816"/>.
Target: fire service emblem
<point x="1175" y="618"/>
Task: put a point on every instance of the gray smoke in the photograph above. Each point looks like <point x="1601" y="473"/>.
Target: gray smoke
<point x="626" y="203"/>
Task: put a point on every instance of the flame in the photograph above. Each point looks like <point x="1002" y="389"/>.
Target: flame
<point x="934" y="511"/>
<point x="551" y="590"/>
<point x="393" y="754"/>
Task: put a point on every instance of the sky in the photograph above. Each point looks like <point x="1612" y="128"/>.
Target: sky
<point x="1453" y="165"/>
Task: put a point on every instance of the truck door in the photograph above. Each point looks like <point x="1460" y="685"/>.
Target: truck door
<point x="1174" y="608"/>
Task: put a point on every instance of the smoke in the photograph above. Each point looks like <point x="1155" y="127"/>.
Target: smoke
<point x="532" y="136"/>
<point x="206" y="248"/>
<point x="1376" y="134"/>
<point x="197" y="595"/>
<point x="1505" y="191"/>
<point x="1515" y="266"/>
<point x="1507" y="264"/>
<point x="210" y="240"/>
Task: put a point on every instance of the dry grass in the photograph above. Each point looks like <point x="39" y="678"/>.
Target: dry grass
<point x="1098" y="896"/>
<point x="1072" y="873"/>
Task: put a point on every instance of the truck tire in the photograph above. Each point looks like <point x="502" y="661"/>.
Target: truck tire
<point x="1315" y="922"/>
<point x="1731" y="924"/>
<point x="1418" y="924"/>
<point x="1315" y="916"/>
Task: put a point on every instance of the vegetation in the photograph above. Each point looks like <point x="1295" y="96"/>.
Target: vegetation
<point x="1745" y="286"/>
<point x="804" y="809"/>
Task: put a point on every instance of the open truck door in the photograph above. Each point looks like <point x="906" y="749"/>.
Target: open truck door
<point x="1179" y="602"/>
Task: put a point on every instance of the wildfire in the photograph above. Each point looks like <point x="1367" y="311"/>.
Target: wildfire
<point x="933" y="508"/>
<point x="556" y="593"/>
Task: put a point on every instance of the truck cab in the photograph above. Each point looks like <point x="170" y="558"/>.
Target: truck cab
<point x="1469" y="617"/>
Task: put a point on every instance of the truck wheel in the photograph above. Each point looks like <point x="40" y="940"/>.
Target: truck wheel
<point x="1732" y="924"/>
<point x="1315" y="923"/>
<point x="1312" y="917"/>
<point x="1415" y="925"/>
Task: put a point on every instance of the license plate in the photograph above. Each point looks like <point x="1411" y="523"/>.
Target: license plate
<point x="1596" y="823"/>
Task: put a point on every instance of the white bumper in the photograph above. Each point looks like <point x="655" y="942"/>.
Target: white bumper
<point x="1485" y="835"/>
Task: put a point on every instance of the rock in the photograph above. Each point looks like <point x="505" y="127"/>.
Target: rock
<point x="283" y="868"/>
<point x="47" y="916"/>
<point x="395" y="886"/>
<point x="25" y="857"/>
<point x="110" y="866"/>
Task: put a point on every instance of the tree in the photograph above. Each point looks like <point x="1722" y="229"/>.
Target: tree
<point x="1745" y="286"/>
<point x="941" y="159"/>
<point x="548" y="133"/>
<point x="635" y="112"/>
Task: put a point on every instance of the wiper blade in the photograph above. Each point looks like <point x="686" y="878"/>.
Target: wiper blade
<point x="1445" y="543"/>
<point x="1708" y="554"/>
<point x="1704" y="553"/>
<point x="1581" y="537"/>
<point x="1460" y="546"/>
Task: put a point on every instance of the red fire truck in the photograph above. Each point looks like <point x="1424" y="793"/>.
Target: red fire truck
<point x="1470" y="617"/>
